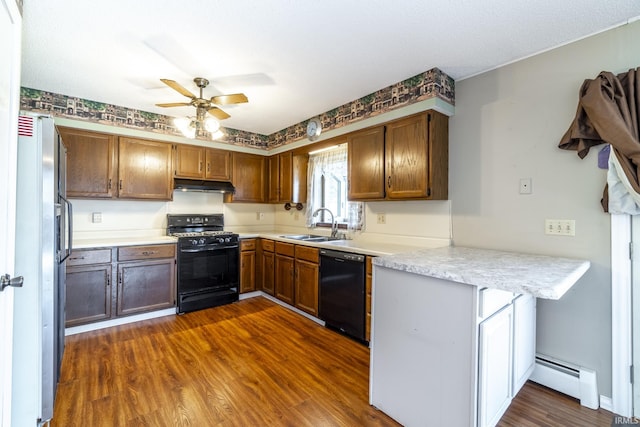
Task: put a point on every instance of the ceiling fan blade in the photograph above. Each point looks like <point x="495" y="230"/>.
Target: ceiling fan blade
<point x="236" y="98"/>
<point x="177" y="87"/>
<point x="218" y="113"/>
<point x="174" y="104"/>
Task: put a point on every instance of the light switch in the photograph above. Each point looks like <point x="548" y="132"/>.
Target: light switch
<point x="525" y="185"/>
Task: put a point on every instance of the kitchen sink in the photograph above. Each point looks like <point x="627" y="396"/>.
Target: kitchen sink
<point x="309" y="237"/>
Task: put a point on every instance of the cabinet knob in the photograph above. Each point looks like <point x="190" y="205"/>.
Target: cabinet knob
<point x="120" y="185"/>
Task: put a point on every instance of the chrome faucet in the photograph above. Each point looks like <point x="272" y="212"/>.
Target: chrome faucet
<point x="334" y="223"/>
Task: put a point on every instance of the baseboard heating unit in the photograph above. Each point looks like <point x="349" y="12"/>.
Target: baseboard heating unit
<point x="575" y="381"/>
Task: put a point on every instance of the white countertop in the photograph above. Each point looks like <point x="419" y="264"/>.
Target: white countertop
<point x="541" y="276"/>
<point x="359" y="246"/>
<point x="122" y="241"/>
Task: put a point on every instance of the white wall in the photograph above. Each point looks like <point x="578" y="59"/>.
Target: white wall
<point x="507" y="126"/>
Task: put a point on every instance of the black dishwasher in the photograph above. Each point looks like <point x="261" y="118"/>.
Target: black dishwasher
<point x="342" y="292"/>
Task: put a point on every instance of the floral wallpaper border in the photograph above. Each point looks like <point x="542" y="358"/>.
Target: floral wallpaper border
<point x="430" y="84"/>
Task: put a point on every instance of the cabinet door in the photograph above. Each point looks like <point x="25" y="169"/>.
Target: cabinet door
<point x="144" y="169"/>
<point x="284" y="278"/>
<point x="91" y="163"/>
<point x="406" y="154"/>
<point x="88" y="294"/>
<point x="300" y="164"/>
<point x="268" y="272"/>
<point x="285" y="161"/>
<point x="306" y="286"/>
<point x="218" y="165"/>
<point x="248" y="171"/>
<point x="366" y="164"/>
<point x="274" y="179"/>
<point x="247" y="271"/>
<point x="524" y="340"/>
<point x="189" y="161"/>
<point x="145" y="286"/>
<point x="494" y="366"/>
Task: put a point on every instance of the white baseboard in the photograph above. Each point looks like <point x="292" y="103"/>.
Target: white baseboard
<point x="606" y="403"/>
<point x="575" y="381"/>
<point x="119" y="321"/>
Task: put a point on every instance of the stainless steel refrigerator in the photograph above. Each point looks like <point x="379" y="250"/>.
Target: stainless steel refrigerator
<point x="43" y="243"/>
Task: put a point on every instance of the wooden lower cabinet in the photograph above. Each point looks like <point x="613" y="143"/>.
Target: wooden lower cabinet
<point x="267" y="266"/>
<point x="104" y="283"/>
<point x="306" y="279"/>
<point x="88" y="294"/>
<point x="145" y="286"/>
<point x="247" y="265"/>
<point x="284" y="284"/>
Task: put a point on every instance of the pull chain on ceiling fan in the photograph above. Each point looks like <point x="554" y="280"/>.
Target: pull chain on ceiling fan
<point x="192" y="127"/>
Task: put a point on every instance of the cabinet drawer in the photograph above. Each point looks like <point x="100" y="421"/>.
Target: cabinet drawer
<point x="129" y="253"/>
<point x="89" y="256"/>
<point x="283" y="248"/>
<point x="492" y="300"/>
<point x="248" y="245"/>
<point x="268" y="245"/>
<point x="307" y="253"/>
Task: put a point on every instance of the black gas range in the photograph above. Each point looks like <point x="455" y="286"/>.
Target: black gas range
<point x="207" y="260"/>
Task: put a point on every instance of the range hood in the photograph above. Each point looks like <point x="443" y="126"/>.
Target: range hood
<point x="203" y="186"/>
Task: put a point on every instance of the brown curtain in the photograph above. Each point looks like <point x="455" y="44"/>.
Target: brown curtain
<point x="608" y="113"/>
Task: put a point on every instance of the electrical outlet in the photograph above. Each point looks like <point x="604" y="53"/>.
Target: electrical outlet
<point x="259" y="216"/>
<point x="382" y="218"/>
<point x="96" y="217"/>
<point x="560" y="227"/>
<point x="525" y="185"/>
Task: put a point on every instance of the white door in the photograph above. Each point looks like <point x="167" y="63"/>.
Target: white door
<point x="10" y="39"/>
<point x="635" y="311"/>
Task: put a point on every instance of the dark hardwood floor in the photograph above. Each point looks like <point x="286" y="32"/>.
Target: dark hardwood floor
<point x="252" y="363"/>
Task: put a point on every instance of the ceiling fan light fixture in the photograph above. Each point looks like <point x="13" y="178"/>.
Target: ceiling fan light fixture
<point x="211" y="125"/>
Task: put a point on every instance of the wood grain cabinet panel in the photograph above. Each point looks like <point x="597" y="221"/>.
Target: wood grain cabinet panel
<point x="144" y="169"/>
<point x="88" y="294"/>
<point x="267" y="266"/>
<point x="217" y="165"/>
<point x="247" y="265"/>
<point x="248" y="177"/>
<point x="306" y="279"/>
<point x="145" y="286"/>
<point x="284" y="281"/>
<point x="189" y="161"/>
<point x="405" y="159"/>
<point x="365" y="159"/>
<point x="91" y="163"/>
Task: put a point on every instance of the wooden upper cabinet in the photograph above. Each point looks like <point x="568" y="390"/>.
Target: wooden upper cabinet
<point x="189" y="161"/>
<point x="217" y="165"/>
<point x="416" y="156"/>
<point x="248" y="175"/>
<point x="144" y="168"/>
<point x="287" y="179"/>
<point x="193" y="161"/>
<point x="91" y="163"/>
<point x="365" y="159"/>
<point x="406" y="159"/>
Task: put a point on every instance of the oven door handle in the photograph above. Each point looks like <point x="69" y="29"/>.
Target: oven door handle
<point x="208" y="249"/>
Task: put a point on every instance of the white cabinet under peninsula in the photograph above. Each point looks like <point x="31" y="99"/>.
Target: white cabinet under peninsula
<point x="453" y="333"/>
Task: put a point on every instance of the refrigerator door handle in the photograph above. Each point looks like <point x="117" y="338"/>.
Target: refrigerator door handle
<point x="68" y="209"/>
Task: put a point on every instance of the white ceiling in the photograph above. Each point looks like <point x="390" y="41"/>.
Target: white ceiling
<point x="294" y="59"/>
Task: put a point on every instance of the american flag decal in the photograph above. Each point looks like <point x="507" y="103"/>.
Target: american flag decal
<point x="25" y="126"/>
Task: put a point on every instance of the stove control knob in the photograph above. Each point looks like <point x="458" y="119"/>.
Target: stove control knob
<point x="228" y="239"/>
<point x="201" y="241"/>
<point x="194" y="242"/>
<point x="220" y="239"/>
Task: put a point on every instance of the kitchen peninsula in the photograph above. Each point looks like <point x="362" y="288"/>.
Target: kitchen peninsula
<point x="453" y="333"/>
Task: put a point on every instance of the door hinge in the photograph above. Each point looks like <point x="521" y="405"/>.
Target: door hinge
<point x="631" y="251"/>
<point x="631" y="374"/>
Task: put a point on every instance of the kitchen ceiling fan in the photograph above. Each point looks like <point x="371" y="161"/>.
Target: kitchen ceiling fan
<point x="191" y="127"/>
